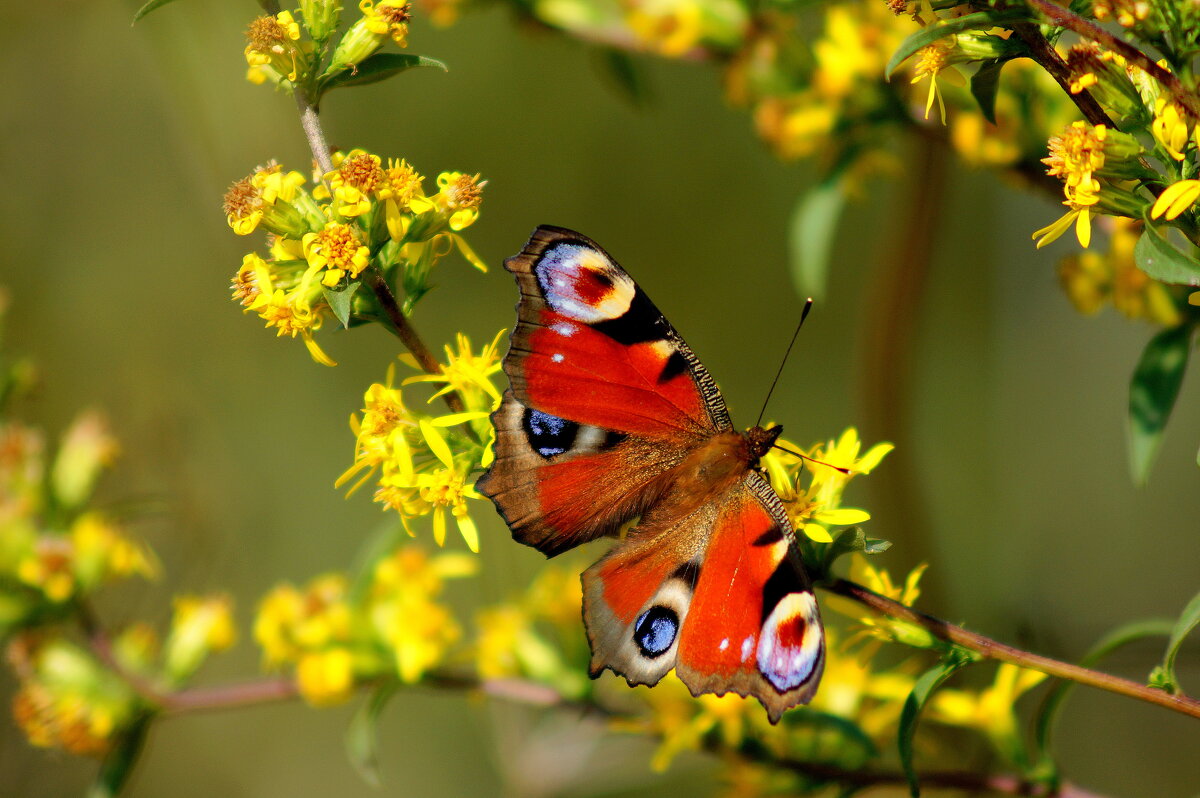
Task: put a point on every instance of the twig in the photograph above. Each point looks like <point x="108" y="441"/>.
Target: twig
<point x="101" y="645"/>
<point x="1045" y="54"/>
<point x="993" y="649"/>
<point x="1065" y="18"/>
<point x="230" y="696"/>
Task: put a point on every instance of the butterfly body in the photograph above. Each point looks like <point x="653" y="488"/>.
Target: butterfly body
<point x="611" y="419"/>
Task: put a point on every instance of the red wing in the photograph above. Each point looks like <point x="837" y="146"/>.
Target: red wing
<point x="753" y="626"/>
<point x="720" y="596"/>
<point x="558" y="484"/>
<point x="592" y="348"/>
<point x="605" y="398"/>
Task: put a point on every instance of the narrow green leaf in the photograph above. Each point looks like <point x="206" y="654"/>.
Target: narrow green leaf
<point x="984" y="85"/>
<point x="627" y="74"/>
<point x="929" y="35"/>
<point x="811" y="233"/>
<point x="1051" y="706"/>
<point x="339" y="301"/>
<point x="876" y="546"/>
<point x="924" y="687"/>
<point x="118" y="763"/>
<point x="1158" y="257"/>
<point x="380" y="66"/>
<point x="1187" y="621"/>
<point x="153" y="5"/>
<point x="362" y="738"/>
<point x="1152" y="394"/>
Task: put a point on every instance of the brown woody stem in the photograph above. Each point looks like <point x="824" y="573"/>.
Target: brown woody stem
<point x="993" y="649"/>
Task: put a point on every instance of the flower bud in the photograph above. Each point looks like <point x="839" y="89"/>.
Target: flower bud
<point x="320" y="17"/>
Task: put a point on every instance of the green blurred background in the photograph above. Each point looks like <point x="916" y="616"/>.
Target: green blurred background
<point x="1012" y="480"/>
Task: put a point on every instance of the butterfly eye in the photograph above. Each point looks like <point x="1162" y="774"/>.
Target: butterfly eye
<point x="655" y="631"/>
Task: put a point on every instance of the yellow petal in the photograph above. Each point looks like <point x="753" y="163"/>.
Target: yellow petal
<point x="843" y="516"/>
<point x="818" y="533"/>
<point x="466" y="528"/>
<point x="1083" y="227"/>
<point x="437" y="444"/>
<point x="873" y="457"/>
<point x="450" y="419"/>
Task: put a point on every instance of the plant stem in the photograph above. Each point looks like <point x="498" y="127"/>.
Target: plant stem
<point x="1065" y="18"/>
<point x="993" y="649"/>
<point x="310" y="121"/>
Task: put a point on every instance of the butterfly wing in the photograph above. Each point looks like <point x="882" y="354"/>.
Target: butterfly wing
<point x="604" y="393"/>
<point x="720" y="596"/>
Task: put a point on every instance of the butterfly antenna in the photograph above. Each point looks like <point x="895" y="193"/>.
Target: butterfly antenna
<point x="846" y="471"/>
<point x="803" y="315"/>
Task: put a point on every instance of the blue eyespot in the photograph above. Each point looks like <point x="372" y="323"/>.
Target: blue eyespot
<point x="655" y="631"/>
<point x="549" y="435"/>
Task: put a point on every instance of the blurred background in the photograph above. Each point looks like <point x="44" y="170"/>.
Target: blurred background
<point x="1011" y="479"/>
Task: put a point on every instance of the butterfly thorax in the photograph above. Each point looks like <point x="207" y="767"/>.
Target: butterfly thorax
<point x="715" y="466"/>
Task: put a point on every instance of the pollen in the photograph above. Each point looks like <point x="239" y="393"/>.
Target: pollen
<point x="242" y="199"/>
<point x="401" y="180"/>
<point x="266" y="34"/>
<point x="898" y="7"/>
<point x="465" y="192"/>
<point x="395" y="15"/>
<point x="933" y="57"/>
<point x="1075" y="156"/>
<point x="340" y="248"/>
<point x="362" y="171"/>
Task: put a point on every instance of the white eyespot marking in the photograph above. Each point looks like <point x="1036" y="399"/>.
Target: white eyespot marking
<point x="724" y="645"/>
<point x="590" y="439"/>
<point x="583" y="285"/>
<point x="791" y="642"/>
<point x="747" y="648"/>
<point x="557" y="357"/>
<point x="563" y="329"/>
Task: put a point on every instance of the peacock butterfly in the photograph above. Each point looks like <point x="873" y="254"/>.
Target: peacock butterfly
<point x="610" y="418"/>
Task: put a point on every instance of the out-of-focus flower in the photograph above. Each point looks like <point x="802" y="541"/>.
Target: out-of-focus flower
<point x="202" y="625"/>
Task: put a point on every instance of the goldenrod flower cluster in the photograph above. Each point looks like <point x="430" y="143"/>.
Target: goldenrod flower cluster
<point x="364" y="215"/>
<point x="56" y="553"/>
<point x="424" y="464"/>
<point x="338" y="635"/>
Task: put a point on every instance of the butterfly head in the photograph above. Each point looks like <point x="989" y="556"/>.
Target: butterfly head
<point x="761" y="440"/>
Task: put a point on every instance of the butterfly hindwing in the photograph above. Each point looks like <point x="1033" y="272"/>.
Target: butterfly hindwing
<point x="720" y="597"/>
<point x="753" y="626"/>
<point x="604" y="391"/>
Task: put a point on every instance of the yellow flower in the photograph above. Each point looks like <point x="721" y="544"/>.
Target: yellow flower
<point x="1170" y="128"/>
<point x="272" y="46"/>
<point x="48" y="568"/>
<point x="358" y="175"/>
<point x="291" y="316"/>
<point x="326" y="678"/>
<point x="1175" y="199"/>
<point x="934" y="61"/>
<point x="878" y="627"/>
<point x="670" y="29"/>
<point x="459" y="197"/>
<point x="387" y="18"/>
<point x="1080" y="216"/>
<point x="467" y="374"/>
<point x="1087" y="279"/>
<point x="336" y="250"/>
<point x="991" y="710"/>
<point x="399" y="189"/>
<point x="100" y="552"/>
<point x="200" y="626"/>
<point x="66" y="699"/>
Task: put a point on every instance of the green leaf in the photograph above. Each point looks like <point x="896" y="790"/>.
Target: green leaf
<point x="339" y="301"/>
<point x="380" y="66"/>
<point x="1152" y="394"/>
<point x="924" y="687"/>
<point x="362" y="740"/>
<point x="811" y="233"/>
<point x="984" y="85"/>
<point x="118" y="763"/>
<point x="1158" y="257"/>
<point x="929" y="35"/>
<point x="627" y="74"/>
<point x="1051" y="706"/>
<point x="153" y="5"/>
<point x="1188" y="620"/>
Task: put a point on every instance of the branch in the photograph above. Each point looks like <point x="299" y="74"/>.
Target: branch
<point x="1044" y="53"/>
<point x="993" y="649"/>
<point x="1065" y="18"/>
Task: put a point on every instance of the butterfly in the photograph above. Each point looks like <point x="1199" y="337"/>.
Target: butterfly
<point x="610" y="419"/>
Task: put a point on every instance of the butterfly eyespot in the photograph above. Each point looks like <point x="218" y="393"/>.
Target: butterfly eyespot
<point x="549" y="435"/>
<point x="581" y="284"/>
<point x="655" y="631"/>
